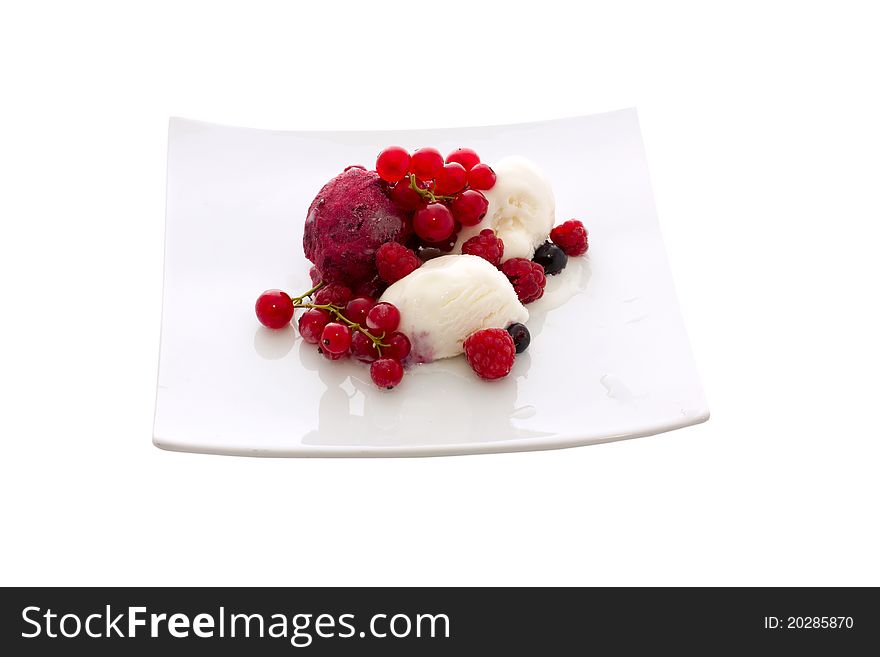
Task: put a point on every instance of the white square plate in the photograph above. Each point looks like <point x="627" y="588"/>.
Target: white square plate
<point x="612" y="362"/>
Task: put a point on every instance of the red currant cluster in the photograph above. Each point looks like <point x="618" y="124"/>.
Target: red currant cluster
<point x="443" y="195"/>
<point x="343" y="326"/>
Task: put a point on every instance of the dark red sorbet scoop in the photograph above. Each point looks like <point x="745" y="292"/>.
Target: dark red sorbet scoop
<point x="349" y="219"/>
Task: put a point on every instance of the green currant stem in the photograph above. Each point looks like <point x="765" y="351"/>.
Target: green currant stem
<point x="427" y="193"/>
<point x="299" y="299"/>
<point x="336" y="311"/>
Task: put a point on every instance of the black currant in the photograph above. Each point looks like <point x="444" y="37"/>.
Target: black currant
<point x="520" y="335"/>
<point x="551" y="258"/>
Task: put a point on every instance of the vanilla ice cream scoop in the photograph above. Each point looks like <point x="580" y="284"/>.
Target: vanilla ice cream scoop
<point x="522" y="208"/>
<point x="445" y="300"/>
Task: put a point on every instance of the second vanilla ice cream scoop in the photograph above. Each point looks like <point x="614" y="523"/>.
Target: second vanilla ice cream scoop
<point x="522" y="208"/>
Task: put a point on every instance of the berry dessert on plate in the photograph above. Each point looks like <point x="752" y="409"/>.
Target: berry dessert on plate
<point x="426" y="258"/>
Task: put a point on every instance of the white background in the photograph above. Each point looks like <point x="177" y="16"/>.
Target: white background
<point x="761" y="126"/>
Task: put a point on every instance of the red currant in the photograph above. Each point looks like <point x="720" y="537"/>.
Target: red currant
<point x="383" y="317"/>
<point x="451" y="179"/>
<point x="356" y="310"/>
<point x="481" y="177"/>
<point x="331" y="356"/>
<point x="392" y="163"/>
<point x="405" y="197"/>
<point x="470" y="207"/>
<point x="426" y="163"/>
<point x="466" y="157"/>
<point x="434" y="223"/>
<point x="398" y="346"/>
<point x="363" y="348"/>
<point x="386" y="372"/>
<point x="335" y="338"/>
<point x="312" y="323"/>
<point x="274" y="309"/>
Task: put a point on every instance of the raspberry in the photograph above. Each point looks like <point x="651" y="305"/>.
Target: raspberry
<point x="334" y="293"/>
<point x="571" y="237"/>
<point x="394" y="261"/>
<point x="485" y="245"/>
<point x="490" y="353"/>
<point x="527" y="278"/>
<point x="315" y="275"/>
